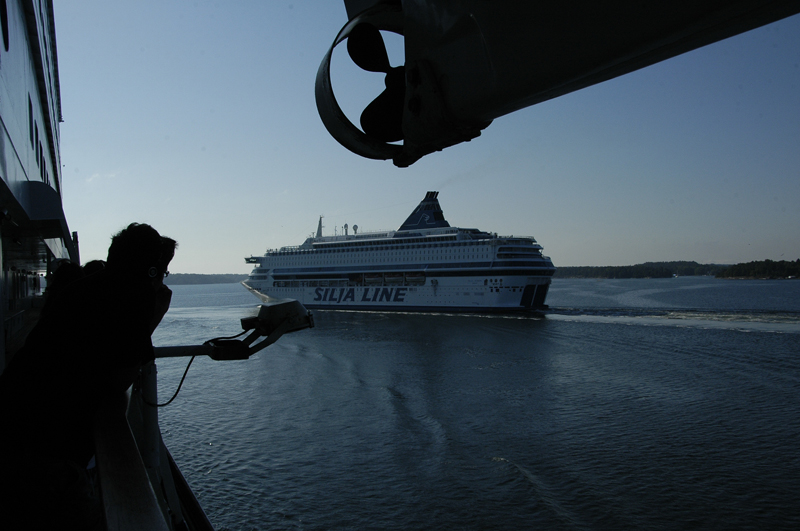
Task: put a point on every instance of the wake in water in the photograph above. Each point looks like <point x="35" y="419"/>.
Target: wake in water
<point x="745" y="320"/>
<point x="762" y="305"/>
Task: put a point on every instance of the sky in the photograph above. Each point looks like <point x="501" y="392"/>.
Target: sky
<point x="199" y="119"/>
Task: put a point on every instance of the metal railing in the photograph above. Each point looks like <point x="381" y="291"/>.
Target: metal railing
<point x="141" y="487"/>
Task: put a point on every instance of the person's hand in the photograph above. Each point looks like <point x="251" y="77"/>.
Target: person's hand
<point x="163" y="298"/>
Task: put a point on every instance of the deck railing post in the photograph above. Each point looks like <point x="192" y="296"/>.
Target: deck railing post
<point x="151" y="435"/>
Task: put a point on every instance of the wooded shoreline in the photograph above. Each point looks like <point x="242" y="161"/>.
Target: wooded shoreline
<point x="765" y="269"/>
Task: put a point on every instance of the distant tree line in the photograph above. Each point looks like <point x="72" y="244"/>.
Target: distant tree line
<point x="178" y="279"/>
<point x="645" y="270"/>
<point x="763" y="269"/>
<point x="633" y="271"/>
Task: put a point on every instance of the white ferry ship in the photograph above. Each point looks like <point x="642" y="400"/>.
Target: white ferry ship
<point x="425" y="265"/>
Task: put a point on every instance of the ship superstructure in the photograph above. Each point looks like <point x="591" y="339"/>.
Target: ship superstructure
<point x="33" y="229"/>
<point x="425" y="265"/>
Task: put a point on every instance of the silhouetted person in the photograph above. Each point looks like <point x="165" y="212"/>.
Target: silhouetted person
<point x="65" y="272"/>
<point x="85" y="351"/>
<point x="89" y="268"/>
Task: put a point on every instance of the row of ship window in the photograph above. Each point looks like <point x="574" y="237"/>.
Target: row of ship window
<point x="36" y="144"/>
<point x="394" y="253"/>
<point x="485" y="281"/>
<point x="346" y="282"/>
<point x="397" y="259"/>
<point x="383" y="248"/>
<point x="401" y="242"/>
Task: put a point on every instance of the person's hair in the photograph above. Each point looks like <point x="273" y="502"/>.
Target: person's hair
<point x="93" y="266"/>
<point x="139" y="251"/>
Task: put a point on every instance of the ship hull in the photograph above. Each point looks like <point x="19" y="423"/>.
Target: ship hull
<point x="479" y="294"/>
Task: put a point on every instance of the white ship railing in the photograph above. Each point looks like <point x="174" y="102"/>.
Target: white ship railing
<point x="516" y="238"/>
<point x="343" y="238"/>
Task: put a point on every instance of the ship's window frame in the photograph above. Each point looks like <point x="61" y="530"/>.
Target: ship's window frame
<point x="4" y="23"/>
<point x="30" y="119"/>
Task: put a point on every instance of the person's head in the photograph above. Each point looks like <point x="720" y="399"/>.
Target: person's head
<point x="139" y="252"/>
<point x="63" y="273"/>
<point x="93" y="266"/>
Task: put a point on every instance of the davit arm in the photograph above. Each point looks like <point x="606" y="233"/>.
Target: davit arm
<point x="468" y="62"/>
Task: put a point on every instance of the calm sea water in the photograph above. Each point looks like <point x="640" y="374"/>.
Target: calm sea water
<point x="632" y="404"/>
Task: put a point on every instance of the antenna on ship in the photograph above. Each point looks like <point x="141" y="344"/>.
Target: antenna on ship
<point x="319" y="227"/>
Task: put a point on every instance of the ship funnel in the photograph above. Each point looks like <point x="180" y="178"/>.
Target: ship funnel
<point x="319" y="228"/>
<point x="427" y="215"/>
